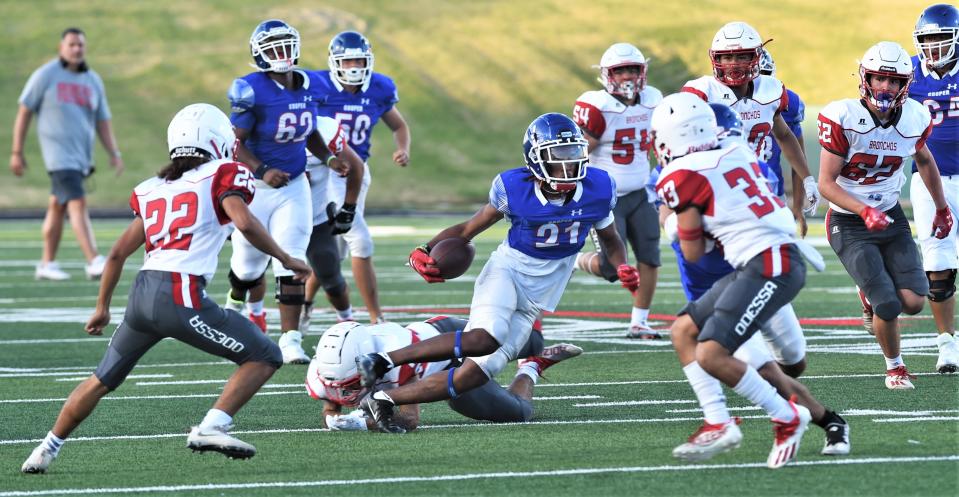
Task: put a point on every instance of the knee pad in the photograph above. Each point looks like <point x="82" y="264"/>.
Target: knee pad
<point x="888" y="310"/>
<point x="290" y="291"/>
<point x="942" y="290"/>
<point x="244" y="285"/>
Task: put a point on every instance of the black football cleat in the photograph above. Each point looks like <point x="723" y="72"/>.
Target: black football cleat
<point x="371" y="368"/>
<point x="382" y="413"/>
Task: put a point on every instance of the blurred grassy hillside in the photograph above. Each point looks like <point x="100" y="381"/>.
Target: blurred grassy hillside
<point x="471" y="75"/>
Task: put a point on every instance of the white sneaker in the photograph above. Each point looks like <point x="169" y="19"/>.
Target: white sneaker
<point x="218" y="440"/>
<point x="788" y="435"/>
<point x="710" y="440"/>
<point x="95" y="268"/>
<point x="642" y="332"/>
<point x="306" y="315"/>
<point x="899" y="379"/>
<point x="39" y="460"/>
<point x="50" y="271"/>
<point x="837" y="440"/>
<point x="948" y="358"/>
<point x="291" y="345"/>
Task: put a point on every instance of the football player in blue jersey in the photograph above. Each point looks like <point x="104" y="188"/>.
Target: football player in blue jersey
<point x="779" y="349"/>
<point x="551" y="204"/>
<point x="357" y="98"/>
<point x="275" y="120"/>
<point x="936" y="85"/>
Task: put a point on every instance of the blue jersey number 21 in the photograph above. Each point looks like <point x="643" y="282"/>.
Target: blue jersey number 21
<point x="548" y="235"/>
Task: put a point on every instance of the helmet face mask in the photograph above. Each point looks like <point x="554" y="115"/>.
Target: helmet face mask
<point x="613" y="72"/>
<point x="346" y="392"/>
<point x="886" y="61"/>
<point x="201" y="131"/>
<point x="275" y="46"/>
<point x="735" y="54"/>
<point x="556" y="152"/>
<point x="351" y="46"/>
<point x="936" y="36"/>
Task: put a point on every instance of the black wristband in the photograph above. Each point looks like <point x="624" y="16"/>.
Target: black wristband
<point x="260" y="171"/>
<point x="348" y="207"/>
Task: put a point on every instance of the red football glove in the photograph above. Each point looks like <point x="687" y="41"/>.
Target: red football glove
<point x="942" y="223"/>
<point x="422" y="263"/>
<point x="628" y="276"/>
<point x="875" y="219"/>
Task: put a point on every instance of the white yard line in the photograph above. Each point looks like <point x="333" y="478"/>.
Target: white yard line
<point x="468" y="476"/>
<point x="909" y="420"/>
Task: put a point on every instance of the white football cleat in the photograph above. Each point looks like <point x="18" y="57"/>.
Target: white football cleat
<point x="39" y="460"/>
<point x="948" y="358"/>
<point x="837" y="440"/>
<point x="709" y="441"/>
<point x="291" y="345"/>
<point x="50" y="271"/>
<point x="94" y="269"/>
<point x="217" y="439"/>
<point x="642" y="332"/>
<point x="899" y="379"/>
<point x="787" y="435"/>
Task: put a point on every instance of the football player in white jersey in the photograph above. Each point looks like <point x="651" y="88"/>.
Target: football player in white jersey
<point x="864" y="144"/>
<point x="333" y="378"/>
<point x="615" y="122"/>
<point x="735" y="54"/>
<point x="720" y="192"/>
<point x="183" y="216"/>
<point x="936" y="85"/>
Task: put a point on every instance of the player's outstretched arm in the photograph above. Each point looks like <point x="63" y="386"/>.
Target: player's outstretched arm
<point x="256" y="234"/>
<point x="480" y="222"/>
<point x="612" y="244"/>
<point x="401" y="136"/>
<point x="689" y="226"/>
<point x="130" y="240"/>
<point x="805" y="193"/>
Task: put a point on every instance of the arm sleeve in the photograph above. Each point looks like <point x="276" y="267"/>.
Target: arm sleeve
<point x="242" y="99"/>
<point x="103" y="107"/>
<point x="32" y="95"/>
<point x="231" y="178"/>
<point x="497" y="196"/>
<point x="588" y="117"/>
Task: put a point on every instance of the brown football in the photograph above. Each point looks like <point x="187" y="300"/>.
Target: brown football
<point x="453" y="256"/>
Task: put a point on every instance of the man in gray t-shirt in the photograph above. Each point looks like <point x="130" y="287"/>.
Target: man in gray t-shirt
<point x="71" y="105"/>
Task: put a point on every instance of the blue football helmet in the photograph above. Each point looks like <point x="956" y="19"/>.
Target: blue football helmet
<point x="937" y="20"/>
<point x="275" y="46"/>
<point x="767" y="65"/>
<point x="556" y="152"/>
<point x="350" y="45"/>
<point x="728" y="124"/>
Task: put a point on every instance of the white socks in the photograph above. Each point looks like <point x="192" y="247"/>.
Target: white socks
<point x="52" y="443"/>
<point x="531" y="369"/>
<point x="215" y="418"/>
<point x="639" y="317"/>
<point x="255" y="308"/>
<point x="761" y="393"/>
<point x="709" y="392"/>
<point x="944" y="339"/>
<point x="345" y="314"/>
<point x="894" y="362"/>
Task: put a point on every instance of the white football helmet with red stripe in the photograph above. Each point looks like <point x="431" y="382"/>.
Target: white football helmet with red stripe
<point x="335" y="361"/>
<point x="682" y="123"/>
<point x="622" y="55"/>
<point x="736" y="38"/>
<point x="200" y="130"/>
<point x="890" y="59"/>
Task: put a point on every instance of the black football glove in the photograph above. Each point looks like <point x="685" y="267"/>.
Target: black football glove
<point x="342" y="221"/>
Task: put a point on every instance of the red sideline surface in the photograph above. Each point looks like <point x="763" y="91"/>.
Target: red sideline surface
<point x="623" y="315"/>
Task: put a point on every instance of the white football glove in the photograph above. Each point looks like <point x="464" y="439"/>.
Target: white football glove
<point x="346" y="422"/>
<point x="812" y="196"/>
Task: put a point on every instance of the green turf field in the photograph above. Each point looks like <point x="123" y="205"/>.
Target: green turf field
<point x="605" y="422"/>
<point x="471" y="75"/>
